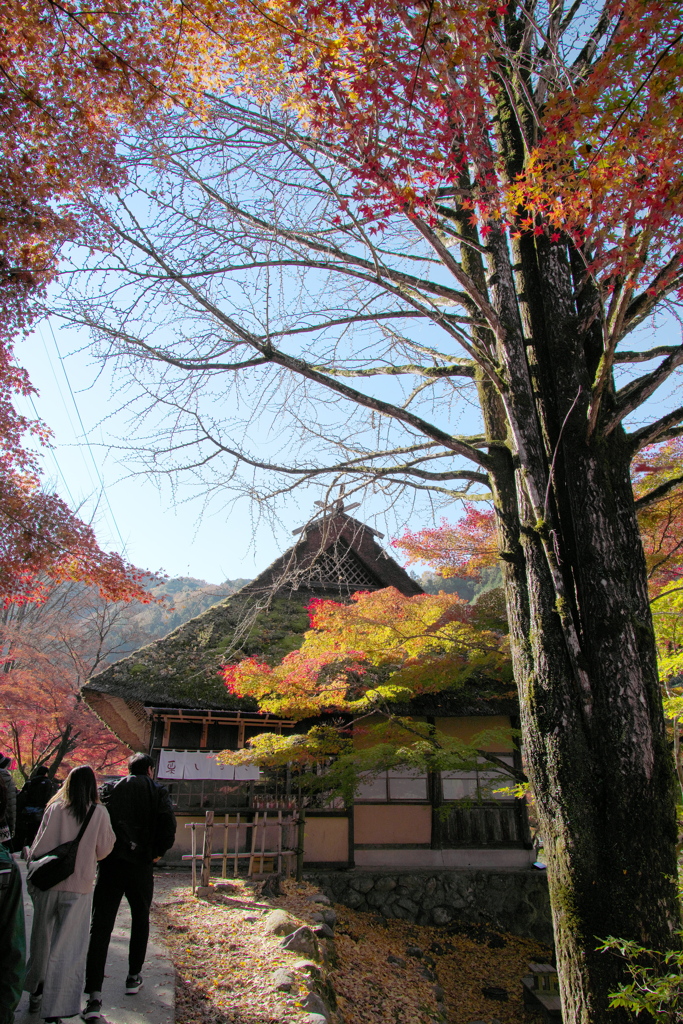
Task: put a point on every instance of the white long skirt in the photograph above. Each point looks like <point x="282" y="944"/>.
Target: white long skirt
<point x="59" y="945"/>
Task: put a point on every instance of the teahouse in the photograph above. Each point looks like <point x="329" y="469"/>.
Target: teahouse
<point x="168" y="698"/>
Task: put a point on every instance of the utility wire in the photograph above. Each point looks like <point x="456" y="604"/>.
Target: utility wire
<point x="103" y="490"/>
<point x="54" y="456"/>
<point x="86" y="462"/>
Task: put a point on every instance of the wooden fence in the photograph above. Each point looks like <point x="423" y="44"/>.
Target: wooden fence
<point x="282" y="834"/>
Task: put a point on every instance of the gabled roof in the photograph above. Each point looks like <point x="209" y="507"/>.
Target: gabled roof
<point x="334" y="556"/>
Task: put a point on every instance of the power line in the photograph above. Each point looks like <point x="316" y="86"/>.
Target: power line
<point x="86" y="463"/>
<point x="103" y="489"/>
<point x="54" y="456"/>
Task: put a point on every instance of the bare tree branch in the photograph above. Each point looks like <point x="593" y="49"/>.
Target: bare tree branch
<point x="657" y="493"/>
<point x="646" y="355"/>
<point x="655" y="431"/>
<point x="638" y="391"/>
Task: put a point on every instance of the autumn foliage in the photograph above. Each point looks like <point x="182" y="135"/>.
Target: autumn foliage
<point x="44" y="721"/>
<point x="462" y="549"/>
<point x="659" y="497"/>
<point x="510" y="176"/>
<point x="657" y="473"/>
<point x="49" y="649"/>
<point x="41" y="540"/>
<point x="407" y="91"/>
<point x="382" y="645"/>
<point x="72" y="78"/>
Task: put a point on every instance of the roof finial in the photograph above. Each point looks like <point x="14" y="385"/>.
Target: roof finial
<point x="337" y="504"/>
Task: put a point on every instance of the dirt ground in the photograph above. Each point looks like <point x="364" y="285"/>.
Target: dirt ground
<point x="224" y="962"/>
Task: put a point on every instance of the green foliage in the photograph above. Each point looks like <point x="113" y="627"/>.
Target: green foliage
<point x="335" y="760"/>
<point x="656" y="986"/>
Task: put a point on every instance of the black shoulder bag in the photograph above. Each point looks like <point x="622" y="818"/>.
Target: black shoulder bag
<point x="53" y="867"/>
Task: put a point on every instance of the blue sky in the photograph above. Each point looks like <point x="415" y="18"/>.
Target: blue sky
<point x="130" y="514"/>
<point x="155" y="528"/>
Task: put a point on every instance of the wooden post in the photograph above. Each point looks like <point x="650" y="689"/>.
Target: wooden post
<point x="206" y="851"/>
<point x="194" y="860"/>
<point x="301" y="826"/>
<point x="235" y="864"/>
<point x="263" y="838"/>
<point x="254" y="826"/>
<point x="279" y="842"/>
<point x="224" y="862"/>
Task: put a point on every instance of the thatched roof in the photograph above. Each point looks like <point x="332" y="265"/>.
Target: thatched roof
<point x="334" y="556"/>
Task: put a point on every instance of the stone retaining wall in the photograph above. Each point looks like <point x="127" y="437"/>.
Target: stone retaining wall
<point x="508" y="900"/>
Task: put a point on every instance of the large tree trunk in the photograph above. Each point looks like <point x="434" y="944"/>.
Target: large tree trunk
<point x="582" y="638"/>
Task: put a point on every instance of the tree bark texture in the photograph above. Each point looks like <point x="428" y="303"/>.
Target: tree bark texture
<point x="582" y="637"/>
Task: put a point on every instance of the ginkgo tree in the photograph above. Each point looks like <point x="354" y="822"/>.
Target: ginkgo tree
<point x="464" y="548"/>
<point x="384" y="209"/>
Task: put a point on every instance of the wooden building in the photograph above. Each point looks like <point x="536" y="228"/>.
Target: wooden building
<point x="168" y="698"/>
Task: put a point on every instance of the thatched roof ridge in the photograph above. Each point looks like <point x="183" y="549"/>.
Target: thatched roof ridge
<point x="334" y="556"/>
<point x="352" y="542"/>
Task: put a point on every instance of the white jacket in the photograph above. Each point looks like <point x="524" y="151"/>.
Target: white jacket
<point x="59" y="826"/>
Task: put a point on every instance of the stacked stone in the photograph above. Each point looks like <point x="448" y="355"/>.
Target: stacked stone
<point x="511" y="901"/>
<point x="309" y="942"/>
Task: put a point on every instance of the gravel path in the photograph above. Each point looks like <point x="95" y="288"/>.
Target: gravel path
<point x="153" y="1004"/>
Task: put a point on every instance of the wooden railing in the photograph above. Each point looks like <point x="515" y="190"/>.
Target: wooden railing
<point x="282" y="833"/>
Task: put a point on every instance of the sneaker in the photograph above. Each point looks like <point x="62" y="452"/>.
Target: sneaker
<point x="133" y="984"/>
<point x="34" y="1001"/>
<point x="93" y="1009"/>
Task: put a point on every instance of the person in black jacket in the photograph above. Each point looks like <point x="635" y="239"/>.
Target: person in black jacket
<point x="8" y="819"/>
<point x="12" y="934"/>
<point x="144" y="823"/>
<point x="31" y="804"/>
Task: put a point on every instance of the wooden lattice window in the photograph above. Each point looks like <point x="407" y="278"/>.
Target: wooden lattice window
<point x="339" y="566"/>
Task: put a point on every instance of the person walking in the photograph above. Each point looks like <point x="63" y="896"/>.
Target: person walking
<point x="8" y="821"/>
<point x="12" y="933"/>
<point x="31" y="804"/>
<point x="144" y="823"/>
<point x="59" y="937"/>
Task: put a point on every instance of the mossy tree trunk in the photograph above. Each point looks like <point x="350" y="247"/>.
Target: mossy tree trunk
<point x="582" y="635"/>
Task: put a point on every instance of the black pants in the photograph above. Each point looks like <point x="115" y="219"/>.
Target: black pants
<point x="116" y="879"/>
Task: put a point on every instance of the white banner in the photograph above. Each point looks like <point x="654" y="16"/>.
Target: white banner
<point x="197" y="764"/>
<point x="222" y="771"/>
<point x="171" y="764"/>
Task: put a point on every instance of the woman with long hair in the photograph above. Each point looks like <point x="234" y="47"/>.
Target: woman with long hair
<point x="61" y="920"/>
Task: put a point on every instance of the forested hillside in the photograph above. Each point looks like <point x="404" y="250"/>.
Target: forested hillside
<point x="183" y="598"/>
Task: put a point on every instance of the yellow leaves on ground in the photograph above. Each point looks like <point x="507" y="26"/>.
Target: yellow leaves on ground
<point x="224" y="962"/>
